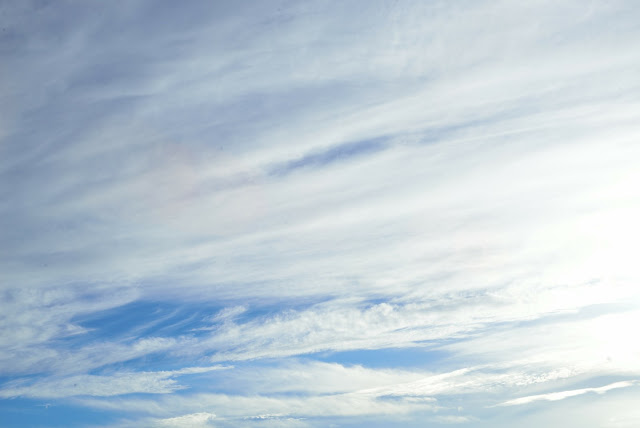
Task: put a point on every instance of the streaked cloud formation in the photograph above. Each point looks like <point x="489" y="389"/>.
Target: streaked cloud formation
<point x="555" y="396"/>
<point x="319" y="214"/>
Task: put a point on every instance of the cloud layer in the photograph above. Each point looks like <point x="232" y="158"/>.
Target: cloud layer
<point x="381" y="213"/>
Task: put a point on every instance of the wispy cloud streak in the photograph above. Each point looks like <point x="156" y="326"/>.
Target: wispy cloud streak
<point x="556" y="396"/>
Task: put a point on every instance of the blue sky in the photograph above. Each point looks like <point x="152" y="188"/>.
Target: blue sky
<point x="319" y="214"/>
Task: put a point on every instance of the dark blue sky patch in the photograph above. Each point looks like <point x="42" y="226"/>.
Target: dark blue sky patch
<point x="143" y="319"/>
<point x="339" y="153"/>
<point x="49" y="413"/>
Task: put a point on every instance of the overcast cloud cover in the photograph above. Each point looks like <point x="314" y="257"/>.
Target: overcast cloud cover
<point x="319" y="214"/>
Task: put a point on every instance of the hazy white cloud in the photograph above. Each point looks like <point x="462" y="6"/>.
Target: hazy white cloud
<point x="232" y="407"/>
<point x="106" y="385"/>
<point x="452" y="419"/>
<point x="310" y="392"/>
<point x="598" y="345"/>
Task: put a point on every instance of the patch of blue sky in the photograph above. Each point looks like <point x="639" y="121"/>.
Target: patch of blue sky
<point x="153" y="318"/>
<point x="339" y="153"/>
<point x="146" y="318"/>
<point x="419" y="357"/>
<point x="140" y="319"/>
<point x="45" y="413"/>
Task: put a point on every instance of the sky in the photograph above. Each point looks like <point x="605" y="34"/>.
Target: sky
<point x="319" y="214"/>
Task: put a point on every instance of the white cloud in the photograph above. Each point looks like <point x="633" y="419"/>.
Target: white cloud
<point x="338" y="326"/>
<point x="194" y="420"/>
<point x="31" y="318"/>
<point x="556" y="396"/>
<point x="252" y="407"/>
<point x="599" y="345"/>
<point x="310" y="390"/>
<point x="106" y="385"/>
<point x="153" y="233"/>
